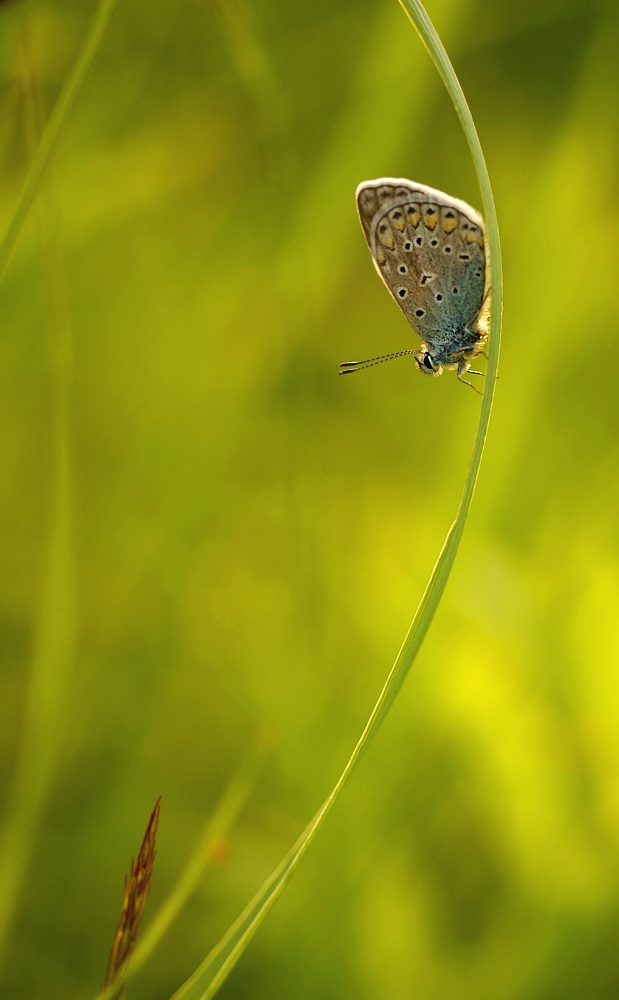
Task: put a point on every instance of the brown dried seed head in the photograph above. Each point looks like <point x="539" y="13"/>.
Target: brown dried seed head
<point x="137" y="887"/>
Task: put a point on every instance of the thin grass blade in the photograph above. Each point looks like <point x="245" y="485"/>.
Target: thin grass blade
<point x="207" y="979"/>
<point x="58" y="118"/>
<point x="54" y="639"/>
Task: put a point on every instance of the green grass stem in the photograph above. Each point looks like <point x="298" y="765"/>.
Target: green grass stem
<point x="57" y="120"/>
<point x="210" y="975"/>
<point x="54" y="639"/>
<point x="55" y="633"/>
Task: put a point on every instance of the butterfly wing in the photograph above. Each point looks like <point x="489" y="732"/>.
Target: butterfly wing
<point x="429" y="249"/>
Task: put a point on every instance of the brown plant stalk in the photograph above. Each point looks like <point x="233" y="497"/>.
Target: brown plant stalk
<point x="137" y="887"/>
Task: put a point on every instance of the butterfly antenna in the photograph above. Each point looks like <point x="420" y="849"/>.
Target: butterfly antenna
<point x="355" y="366"/>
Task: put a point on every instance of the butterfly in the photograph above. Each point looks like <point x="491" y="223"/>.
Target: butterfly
<point x="429" y="249"/>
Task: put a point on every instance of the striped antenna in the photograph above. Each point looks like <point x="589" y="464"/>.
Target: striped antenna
<point x="347" y="367"/>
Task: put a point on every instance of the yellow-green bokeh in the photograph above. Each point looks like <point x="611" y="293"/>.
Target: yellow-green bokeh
<point x="207" y="536"/>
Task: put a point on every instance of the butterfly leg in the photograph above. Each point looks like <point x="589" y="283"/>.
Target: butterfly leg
<point x="462" y="368"/>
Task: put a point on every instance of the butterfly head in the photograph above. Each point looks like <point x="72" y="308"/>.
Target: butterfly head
<point x="427" y="363"/>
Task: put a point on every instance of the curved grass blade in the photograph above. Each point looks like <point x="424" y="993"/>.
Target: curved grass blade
<point x="207" y="979"/>
<point x="55" y="636"/>
<point x="58" y="118"/>
<point x="55" y="628"/>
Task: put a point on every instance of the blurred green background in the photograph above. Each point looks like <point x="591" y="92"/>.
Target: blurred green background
<point x="208" y="538"/>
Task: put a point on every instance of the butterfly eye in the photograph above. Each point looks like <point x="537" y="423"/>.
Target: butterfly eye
<point x="427" y="361"/>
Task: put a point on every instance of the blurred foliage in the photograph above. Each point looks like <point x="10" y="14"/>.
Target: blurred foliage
<point x="206" y="534"/>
